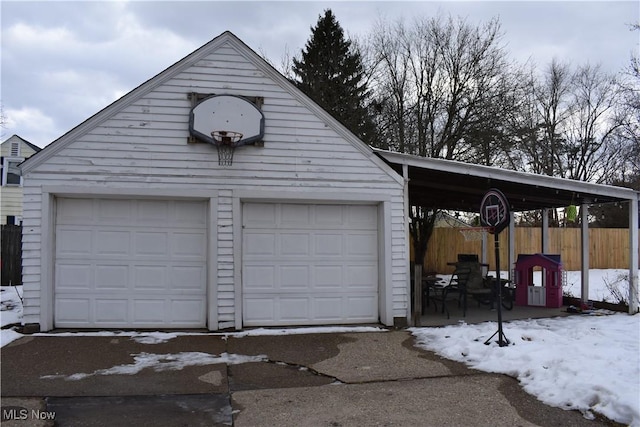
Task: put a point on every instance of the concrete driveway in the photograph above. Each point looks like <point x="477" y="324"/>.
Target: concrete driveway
<point x="332" y="379"/>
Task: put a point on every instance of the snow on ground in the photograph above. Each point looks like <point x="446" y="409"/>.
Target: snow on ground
<point x="586" y="362"/>
<point x="165" y="362"/>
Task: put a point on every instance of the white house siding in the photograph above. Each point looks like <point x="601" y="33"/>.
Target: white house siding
<point x="11" y="196"/>
<point x="143" y="149"/>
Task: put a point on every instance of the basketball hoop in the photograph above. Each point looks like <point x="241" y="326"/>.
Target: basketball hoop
<point x="225" y="142"/>
<point x="474" y="234"/>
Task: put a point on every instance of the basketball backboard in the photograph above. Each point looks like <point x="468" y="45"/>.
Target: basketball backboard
<point x="227" y="113"/>
<point x="494" y="211"/>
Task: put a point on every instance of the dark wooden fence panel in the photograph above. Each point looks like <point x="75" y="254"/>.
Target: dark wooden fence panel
<point x="11" y="256"/>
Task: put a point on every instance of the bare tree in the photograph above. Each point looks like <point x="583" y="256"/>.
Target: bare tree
<point x="441" y="86"/>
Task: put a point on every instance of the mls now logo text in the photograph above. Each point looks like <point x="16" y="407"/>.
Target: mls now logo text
<point x="13" y="413"/>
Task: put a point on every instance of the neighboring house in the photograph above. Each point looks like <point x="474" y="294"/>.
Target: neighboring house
<point x="446" y="220"/>
<point x="134" y="224"/>
<point x="13" y="151"/>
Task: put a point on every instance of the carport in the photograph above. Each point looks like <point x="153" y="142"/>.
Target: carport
<point x="451" y="185"/>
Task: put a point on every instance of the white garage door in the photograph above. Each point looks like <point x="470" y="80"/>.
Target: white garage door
<point x="309" y="264"/>
<point x="130" y="263"/>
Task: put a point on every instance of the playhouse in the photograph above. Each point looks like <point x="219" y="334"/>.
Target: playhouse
<point x="548" y="293"/>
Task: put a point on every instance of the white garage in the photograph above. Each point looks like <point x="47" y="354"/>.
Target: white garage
<point x="130" y="263"/>
<point x="136" y="218"/>
<point x="309" y="264"/>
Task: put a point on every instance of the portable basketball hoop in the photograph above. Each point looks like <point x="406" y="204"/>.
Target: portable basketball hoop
<point x="225" y="142"/>
<point x="474" y="234"/>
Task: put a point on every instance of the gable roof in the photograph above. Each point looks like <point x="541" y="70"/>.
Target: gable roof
<point x="24" y="141"/>
<point x="225" y="38"/>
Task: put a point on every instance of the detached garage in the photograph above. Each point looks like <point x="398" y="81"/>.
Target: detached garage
<point x="215" y="195"/>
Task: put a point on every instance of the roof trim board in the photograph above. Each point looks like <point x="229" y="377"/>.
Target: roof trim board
<point x="448" y="184"/>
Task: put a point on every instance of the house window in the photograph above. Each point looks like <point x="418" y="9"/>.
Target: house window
<point x="10" y="172"/>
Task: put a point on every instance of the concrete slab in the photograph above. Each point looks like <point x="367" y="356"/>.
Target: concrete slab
<point x="44" y="365"/>
<point x="263" y="375"/>
<point x="474" y="400"/>
<point x="141" y="411"/>
<point x="368" y="357"/>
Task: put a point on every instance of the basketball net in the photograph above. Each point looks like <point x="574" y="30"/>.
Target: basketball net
<point x="474" y="234"/>
<point x="225" y="142"/>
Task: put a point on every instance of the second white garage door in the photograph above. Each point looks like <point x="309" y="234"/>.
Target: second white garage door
<point x="309" y="264"/>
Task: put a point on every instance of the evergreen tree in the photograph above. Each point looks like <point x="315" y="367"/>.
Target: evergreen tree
<point x="331" y="73"/>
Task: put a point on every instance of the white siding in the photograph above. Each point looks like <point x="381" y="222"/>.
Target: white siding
<point x="143" y="147"/>
<point x="11" y="196"/>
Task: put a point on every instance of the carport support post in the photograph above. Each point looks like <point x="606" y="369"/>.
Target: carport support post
<point x="633" y="254"/>
<point x="417" y="294"/>
<point x="584" y="233"/>
<point x="544" y="244"/>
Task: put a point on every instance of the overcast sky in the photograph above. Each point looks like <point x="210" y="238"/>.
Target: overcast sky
<point x="64" y="61"/>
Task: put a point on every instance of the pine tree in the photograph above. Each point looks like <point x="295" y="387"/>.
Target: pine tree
<point x="331" y="73"/>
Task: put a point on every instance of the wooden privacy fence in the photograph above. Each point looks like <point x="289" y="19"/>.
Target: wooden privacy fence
<point x="608" y="247"/>
<point x="11" y="254"/>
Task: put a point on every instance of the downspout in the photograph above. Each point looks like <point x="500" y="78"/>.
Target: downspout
<point x="634" y="223"/>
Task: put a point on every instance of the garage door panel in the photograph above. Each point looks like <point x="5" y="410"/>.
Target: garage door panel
<point x="188" y="278"/>
<point x="362" y="277"/>
<point x="188" y="245"/>
<point x="257" y="244"/>
<point x="294" y="309"/>
<point x="319" y="262"/>
<point x="114" y="211"/>
<point x="150" y="277"/>
<point x="114" y="277"/>
<point x="149" y="311"/>
<point x="362" y="217"/>
<point x="187" y="311"/>
<point x="151" y="243"/>
<point x="294" y="244"/>
<point x="294" y="216"/>
<point x="293" y="277"/>
<point x="74" y="242"/>
<point x="111" y="310"/>
<point x="141" y="263"/>
<point x="328" y="309"/>
<point x="75" y="211"/>
<point x="258" y="310"/>
<point x="329" y="244"/>
<point x="112" y="243"/>
<point x="74" y="277"/>
<point x="72" y="311"/>
<point x="260" y="277"/>
<point x="328" y="277"/>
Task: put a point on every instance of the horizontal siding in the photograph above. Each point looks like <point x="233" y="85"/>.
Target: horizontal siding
<point x="10" y="202"/>
<point x="144" y="146"/>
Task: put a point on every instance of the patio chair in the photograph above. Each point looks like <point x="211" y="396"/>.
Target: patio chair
<point x="455" y="290"/>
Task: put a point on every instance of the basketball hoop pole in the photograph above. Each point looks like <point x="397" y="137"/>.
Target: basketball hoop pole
<point x="494" y="212"/>
<point x="502" y="339"/>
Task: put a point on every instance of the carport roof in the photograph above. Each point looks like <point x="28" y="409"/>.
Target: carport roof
<point x="447" y="184"/>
